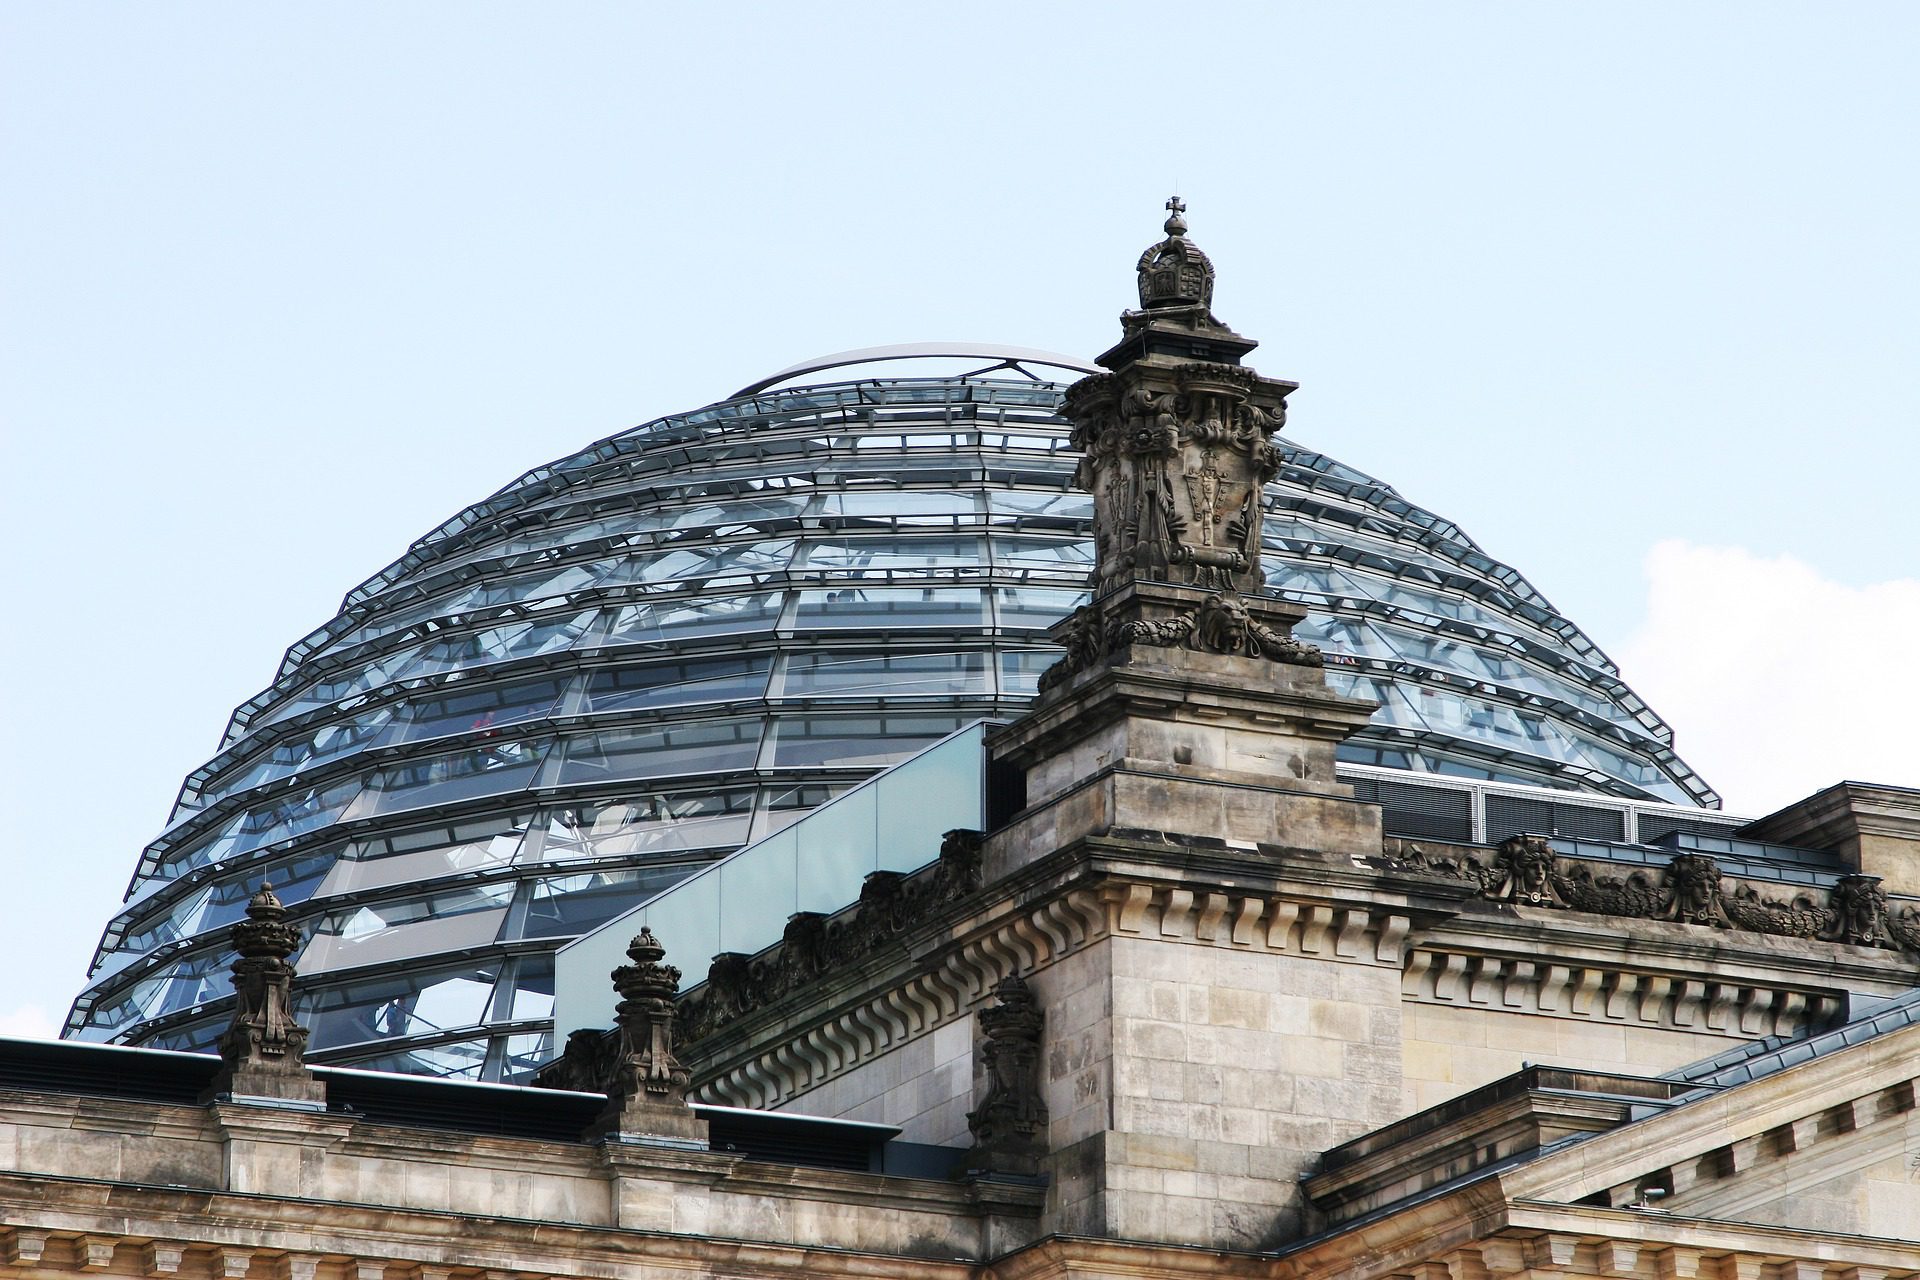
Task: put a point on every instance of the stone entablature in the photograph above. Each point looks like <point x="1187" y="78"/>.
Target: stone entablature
<point x="1690" y="889"/>
<point x="912" y="972"/>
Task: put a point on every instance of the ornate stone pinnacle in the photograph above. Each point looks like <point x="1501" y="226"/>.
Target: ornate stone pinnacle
<point x="1178" y="445"/>
<point x="263" y="1048"/>
<point x="648" y="1092"/>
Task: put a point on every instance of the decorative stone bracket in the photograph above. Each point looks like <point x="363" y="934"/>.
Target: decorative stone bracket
<point x="1223" y="622"/>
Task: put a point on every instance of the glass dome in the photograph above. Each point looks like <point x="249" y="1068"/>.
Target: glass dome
<point x="635" y="659"/>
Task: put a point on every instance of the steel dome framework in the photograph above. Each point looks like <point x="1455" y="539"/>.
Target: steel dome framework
<point x="640" y="657"/>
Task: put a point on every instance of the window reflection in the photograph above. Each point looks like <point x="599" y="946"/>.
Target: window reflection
<point x="672" y="684"/>
<point x="855" y="741"/>
<point x="892" y="607"/>
<point x="875" y="674"/>
<point x="648" y="825"/>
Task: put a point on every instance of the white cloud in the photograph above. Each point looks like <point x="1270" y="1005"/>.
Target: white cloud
<point x="1777" y="681"/>
<point x="28" y="1022"/>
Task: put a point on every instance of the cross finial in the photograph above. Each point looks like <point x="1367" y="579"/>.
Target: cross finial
<point x="1176" y="225"/>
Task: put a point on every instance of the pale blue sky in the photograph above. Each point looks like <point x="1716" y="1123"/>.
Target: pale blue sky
<point x="284" y="288"/>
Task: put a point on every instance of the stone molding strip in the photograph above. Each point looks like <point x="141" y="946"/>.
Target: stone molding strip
<point x="119" y="1256"/>
<point x="1607" y="993"/>
<point x="1264" y="922"/>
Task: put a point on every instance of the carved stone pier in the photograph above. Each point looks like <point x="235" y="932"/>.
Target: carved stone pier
<point x="1183" y="702"/>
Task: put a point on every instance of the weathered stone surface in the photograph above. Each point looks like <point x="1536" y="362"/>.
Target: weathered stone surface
<point x="262" y="1050"/>
<point x="1875" y="828"/>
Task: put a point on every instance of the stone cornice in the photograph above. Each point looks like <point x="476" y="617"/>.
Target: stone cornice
<point x="1569" y="964"/>
<point x="1092" y="890"/>
<point x="1843" y="1091"/>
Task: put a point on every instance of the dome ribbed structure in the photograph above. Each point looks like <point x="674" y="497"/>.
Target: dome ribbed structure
<point x="635" y="659"/>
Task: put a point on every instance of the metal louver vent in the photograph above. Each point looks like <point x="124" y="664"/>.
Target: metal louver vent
<point x="1430" y="813"/>
<point x="1511" y="815"/>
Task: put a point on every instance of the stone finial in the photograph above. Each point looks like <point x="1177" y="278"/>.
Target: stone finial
<point x="1009" y="1128"/>
<point x="263" y="1049"/>
<point x="1175" y="273"/>
<point x="647" y="1096"/>
<point x="1178" y="446"/>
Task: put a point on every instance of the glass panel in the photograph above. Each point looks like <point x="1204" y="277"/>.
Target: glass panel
<point x="374" y="866"/>
<point x="395" y="1005"/>
<point x="672" y="684"/>
<point x="460" y="1060"/>
<point x="1037" y="607"/>
<point x="846" y="742"/>
<point x="722" y="560"/>
<point x="836" y="850"/>
<point x="328" y="742"/>
<point x="1062" y="506"/>
<point x="508" y="641"/>
<point x="756" y="897"/>
<point x="183" y="984"/>
<point x="198" y="1038"/>
<point x="1020" y="670"/>
<point x="658" y="825"/>
<point x="905" y="506"/>
<point x="662" y="621"/>
<point x="714" y="746"/>
<point x="1068" y="555"/>
<point x="467" y="710"/>
<point x="491" y="768"/>
<point x="888" y="553"/>
<point x="532" y="995"/>
<point x="426" y="924"/>
<point x="691" y="929"/>
<point x="960" y="607"/>
<point x="815" y="674"/>
<point x="926" y="798"/>
<point x="526" y="1054"/>
<point x="225" y="900"/>
<point x="568" y="906"/>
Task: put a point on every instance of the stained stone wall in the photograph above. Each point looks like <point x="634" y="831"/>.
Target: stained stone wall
<point x="1238" y="1071"/>
<point x="1450" y="1049"/>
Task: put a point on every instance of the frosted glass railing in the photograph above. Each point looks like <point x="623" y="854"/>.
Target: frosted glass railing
<point x="891" y="822"/>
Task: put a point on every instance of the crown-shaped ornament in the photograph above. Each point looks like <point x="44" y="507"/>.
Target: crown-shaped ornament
<point x="1174" y="273"/>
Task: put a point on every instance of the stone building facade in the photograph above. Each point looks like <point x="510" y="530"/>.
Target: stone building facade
<point x="1188" y="1012"/>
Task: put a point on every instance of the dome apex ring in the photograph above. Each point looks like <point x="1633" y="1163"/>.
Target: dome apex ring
<point x="920" y="351"/>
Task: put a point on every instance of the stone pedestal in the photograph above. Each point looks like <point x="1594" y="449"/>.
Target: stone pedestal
<point x="1191" y="712"/>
